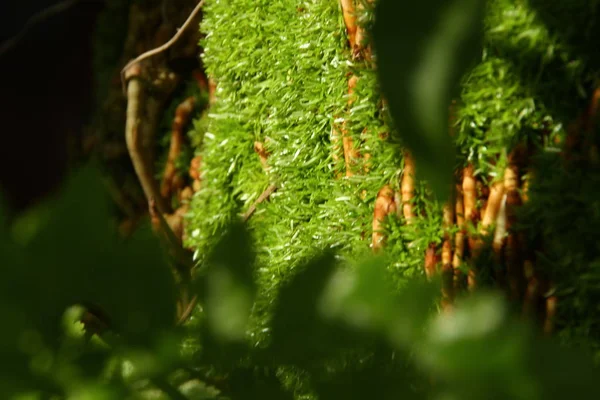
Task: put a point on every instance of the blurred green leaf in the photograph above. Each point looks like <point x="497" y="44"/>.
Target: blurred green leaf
<point x="95" y="392"/>
<point x="476" y="351"/>
<point x="300" y="333"/>
<point x="563" y="372"/>
<point x="73" y="255"/>
<point x="423" y="49"/>
<point x="479" y="352"/>
<point x="367" y="381"/>
<point x="197" y="390"/>
<point x="230" y="286"/>
<point x="248" y="383"/>
<point x="76" y="257"/>
<point x="364" y="298"/>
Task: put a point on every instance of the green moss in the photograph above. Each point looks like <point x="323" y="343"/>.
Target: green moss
<point x="282" y="70"/>
<point x="533" y="81"/>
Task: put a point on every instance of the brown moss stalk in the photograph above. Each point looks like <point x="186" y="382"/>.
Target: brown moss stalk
<point x="361" y="48"/>
<point x="407" y="188"/>
<point x="500" y="231"/>
<point x="349" y="13"/>
<point x="549" y="321"/>
<point x="263" y="154"/>
<point x="447" y="269"/>
<point x="513" y="250"/>
<point x="350" y="152"/>
<point x="493" y="206"/>
<point x="336" y="148"/>
<point x="212" y="92"/>
<point x="183" y="114"/>
<point x="459" y="239"/>
<point x="490" y="216"/>
<point x="469" y="190"/>
<point x="384" y="205"/>
<point x="432" y="260"/>
<point x="531" y="298"/>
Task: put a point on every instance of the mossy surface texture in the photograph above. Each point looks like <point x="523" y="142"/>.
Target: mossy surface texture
<point x="281" y="73"/>
<point x="282" y="68"/>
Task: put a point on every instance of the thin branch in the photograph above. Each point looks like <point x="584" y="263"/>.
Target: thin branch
<point x="264" y="196"/>
<point x="135" y="133"/>
<point x="164" y="47"/>
<point x="187" y="312"/>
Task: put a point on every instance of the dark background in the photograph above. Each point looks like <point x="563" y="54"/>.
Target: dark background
<point x="45" y="93"/>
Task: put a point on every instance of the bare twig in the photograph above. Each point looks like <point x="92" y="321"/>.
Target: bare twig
<point x="164" y="47"/>
<point x="134" y="137"/>
<point x="264" y="196"/>
<point x="187" y="312"/>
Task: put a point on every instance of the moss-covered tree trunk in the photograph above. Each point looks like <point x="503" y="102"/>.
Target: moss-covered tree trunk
<point x="298" y="108"/>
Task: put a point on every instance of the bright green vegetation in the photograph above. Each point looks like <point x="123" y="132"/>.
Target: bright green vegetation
<point x="276" y="318"/>
<point x="282" y="70"/>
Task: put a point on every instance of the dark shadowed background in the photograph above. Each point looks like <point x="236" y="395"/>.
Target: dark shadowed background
<point x="45" y="94"/>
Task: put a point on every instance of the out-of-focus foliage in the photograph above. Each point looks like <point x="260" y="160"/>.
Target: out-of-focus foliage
<point x="296" y="310"/>
<point x="421" y="58"/>
<point x="346" y="333"/>
<point x="65" y="253"/>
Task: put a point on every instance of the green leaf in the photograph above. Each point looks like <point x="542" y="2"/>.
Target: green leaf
<point x="477" y="352"/>
<point x="198" y="390"/>
<point x="76" y="257"/>
<point x="300" y="333"/>
<point x="364" y="298"/>
<point x="423" y="49"/>
<point x="230" y="287"/>
<point x="247" y="383"/>
<point x="373" y="378"/>
<point x="564" y="372"/>
<point x="73" y="255"/>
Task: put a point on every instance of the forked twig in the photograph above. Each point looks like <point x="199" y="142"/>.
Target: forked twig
<point x="163" y="47"/>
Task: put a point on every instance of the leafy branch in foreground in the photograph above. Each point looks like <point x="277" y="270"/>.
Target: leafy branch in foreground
<point x="421" y="59"/>
<point x="346" y="332"/>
